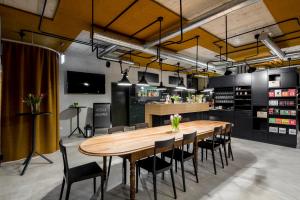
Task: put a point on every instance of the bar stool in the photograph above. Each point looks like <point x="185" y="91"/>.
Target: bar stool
<point x="79" y="173"/>
<point x="156" y="165"/>
<point x="211" y="145"/>
<point x="183" y="156"/>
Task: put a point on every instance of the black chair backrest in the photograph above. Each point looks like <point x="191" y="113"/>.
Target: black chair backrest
<point x="141" y="125"/>
<point x="65" y="157"/>
<point x="217" y="131"/>
<point x="163" y="146"/>
<point x="188" y="139"/>
<point x="228" y="130"/>
<point x="115" y="129"/>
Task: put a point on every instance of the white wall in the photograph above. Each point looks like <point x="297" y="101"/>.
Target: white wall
<point x="83" y="61"/>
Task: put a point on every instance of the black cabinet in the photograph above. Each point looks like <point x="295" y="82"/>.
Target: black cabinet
<point x="136" y="111"/>
<point x="243" y="79"/>
<point x="243" y="124"/>
<point x="221" y="81"/>
<point x="260" y="88"/>
<point x="221" y="115"/>
<point x="288" y="79"/>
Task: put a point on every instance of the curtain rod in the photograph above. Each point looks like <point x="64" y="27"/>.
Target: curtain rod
<point x="30" y="44"/>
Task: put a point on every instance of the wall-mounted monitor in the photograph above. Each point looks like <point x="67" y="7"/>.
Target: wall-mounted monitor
<point x="85" y="83"/>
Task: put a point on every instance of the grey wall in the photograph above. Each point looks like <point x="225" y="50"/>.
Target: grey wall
<point x="79" y="59"/>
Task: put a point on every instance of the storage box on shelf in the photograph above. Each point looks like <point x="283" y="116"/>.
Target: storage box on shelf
<point x="242" y="98"/>
<point x="282" y="111"/>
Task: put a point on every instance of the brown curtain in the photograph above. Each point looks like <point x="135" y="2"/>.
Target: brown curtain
<point x="28" y="69"/>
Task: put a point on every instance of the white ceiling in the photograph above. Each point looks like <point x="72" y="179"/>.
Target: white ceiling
<point x="192" y="8"/>
<point x="248" y="18"/>
<point x="245" y="19"/>
<point x="33" y="6"/>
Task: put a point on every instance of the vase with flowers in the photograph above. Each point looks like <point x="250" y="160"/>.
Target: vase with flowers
<point x="34" y="101"/>
<point x="175" y="121"/>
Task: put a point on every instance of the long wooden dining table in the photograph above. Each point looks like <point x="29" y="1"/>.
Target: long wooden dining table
<point x="138" y="144"/>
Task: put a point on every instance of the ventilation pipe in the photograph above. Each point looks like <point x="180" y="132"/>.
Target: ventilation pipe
<point x="266" y="40"/>
<point x="205" y="18"/>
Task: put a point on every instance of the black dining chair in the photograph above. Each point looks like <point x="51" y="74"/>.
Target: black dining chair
<point x="141" y="126"/>
<point x="116" y="129"/>
<point x="79" y="173"/>
<point x="225" y="139"/>
<point x="212" y="145"/>
<point x="156" y="165"/>
<point x="183" y="156"/>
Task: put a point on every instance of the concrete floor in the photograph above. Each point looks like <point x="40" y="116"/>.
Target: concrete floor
<point x="260" y="171"/>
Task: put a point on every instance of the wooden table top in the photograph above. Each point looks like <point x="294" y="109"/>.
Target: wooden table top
<point x="125" y="143"/>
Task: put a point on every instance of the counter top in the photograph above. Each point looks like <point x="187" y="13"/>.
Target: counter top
<point x="169" y="109"/>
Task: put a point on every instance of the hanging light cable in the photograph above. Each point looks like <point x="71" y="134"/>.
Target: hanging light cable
<point x="124" y="81"/>
<point x="161" y="86"/>
<point x="180" y="85"/>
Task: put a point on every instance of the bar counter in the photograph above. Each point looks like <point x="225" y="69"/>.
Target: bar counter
<point x="161" y="109"/>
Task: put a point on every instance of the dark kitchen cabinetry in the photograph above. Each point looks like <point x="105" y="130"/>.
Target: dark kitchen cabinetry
<point x="260" y="88"/>
<point x="221" y="115"/>
<point x="243" y="79"/>
<point x="136" y="111"/>
<point x="243" y="124"/>
<point x="221" y="81"/>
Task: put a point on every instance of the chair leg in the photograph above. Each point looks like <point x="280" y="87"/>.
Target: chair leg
<point x="102" y="188"/>
<point x="124" y="171"/>
<point x="225" y="152"/>
<point x="195" y="169"/>
<point x="94" y="185"/>
<point x="221" y="156"/>
<point x="176" y="166"/>
<point x="202" y="154"/>
<point x="214" y="161"/>
<point x="173" y="183"/>
<point x="154" y="186"/>
<point x="137" y="179"/>
<point x="229" y="147"/>
<point x="109" y="165"/>
<point x="206" y="153"/>
<point x="183" y="176"/>
<point x="62" y="189"/>
<point x="68" y="191"/>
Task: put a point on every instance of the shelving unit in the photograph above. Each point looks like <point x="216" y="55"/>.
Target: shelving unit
<point x="282" y="111"/>
<point x="224" y="97"/>
<point x="242" y="100"/>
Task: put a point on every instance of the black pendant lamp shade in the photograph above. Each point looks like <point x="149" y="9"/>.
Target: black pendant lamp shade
<point x="181" y="85"/>
<point x="124" y="81"/>
<point x="161" y="86"/>
<point x="143" y="81"/>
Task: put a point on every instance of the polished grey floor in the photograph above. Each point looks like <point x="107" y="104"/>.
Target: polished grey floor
<point x="260" y="171"/>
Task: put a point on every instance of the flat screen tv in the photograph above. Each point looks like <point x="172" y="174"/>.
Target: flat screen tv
<point x="85" y="83"/>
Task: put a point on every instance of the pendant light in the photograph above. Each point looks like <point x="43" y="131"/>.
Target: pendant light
<point x="161" y="86"/>
<point x="143" y="81"/>
<point x="124" y="81"/>
<point x="180" y="85"/>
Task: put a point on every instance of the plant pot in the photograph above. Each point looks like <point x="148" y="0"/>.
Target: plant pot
<point x="35" y="108"/>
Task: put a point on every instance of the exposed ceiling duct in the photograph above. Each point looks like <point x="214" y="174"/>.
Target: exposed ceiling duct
<point x="292" y="55"/>
<point x="205" y="18"/>
<point x="266" y="40"/>
<point x="152" y="51"/>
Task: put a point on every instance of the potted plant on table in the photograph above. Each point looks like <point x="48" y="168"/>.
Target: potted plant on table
<point x="34" y="101"/>
<point x="175" y="121"/>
